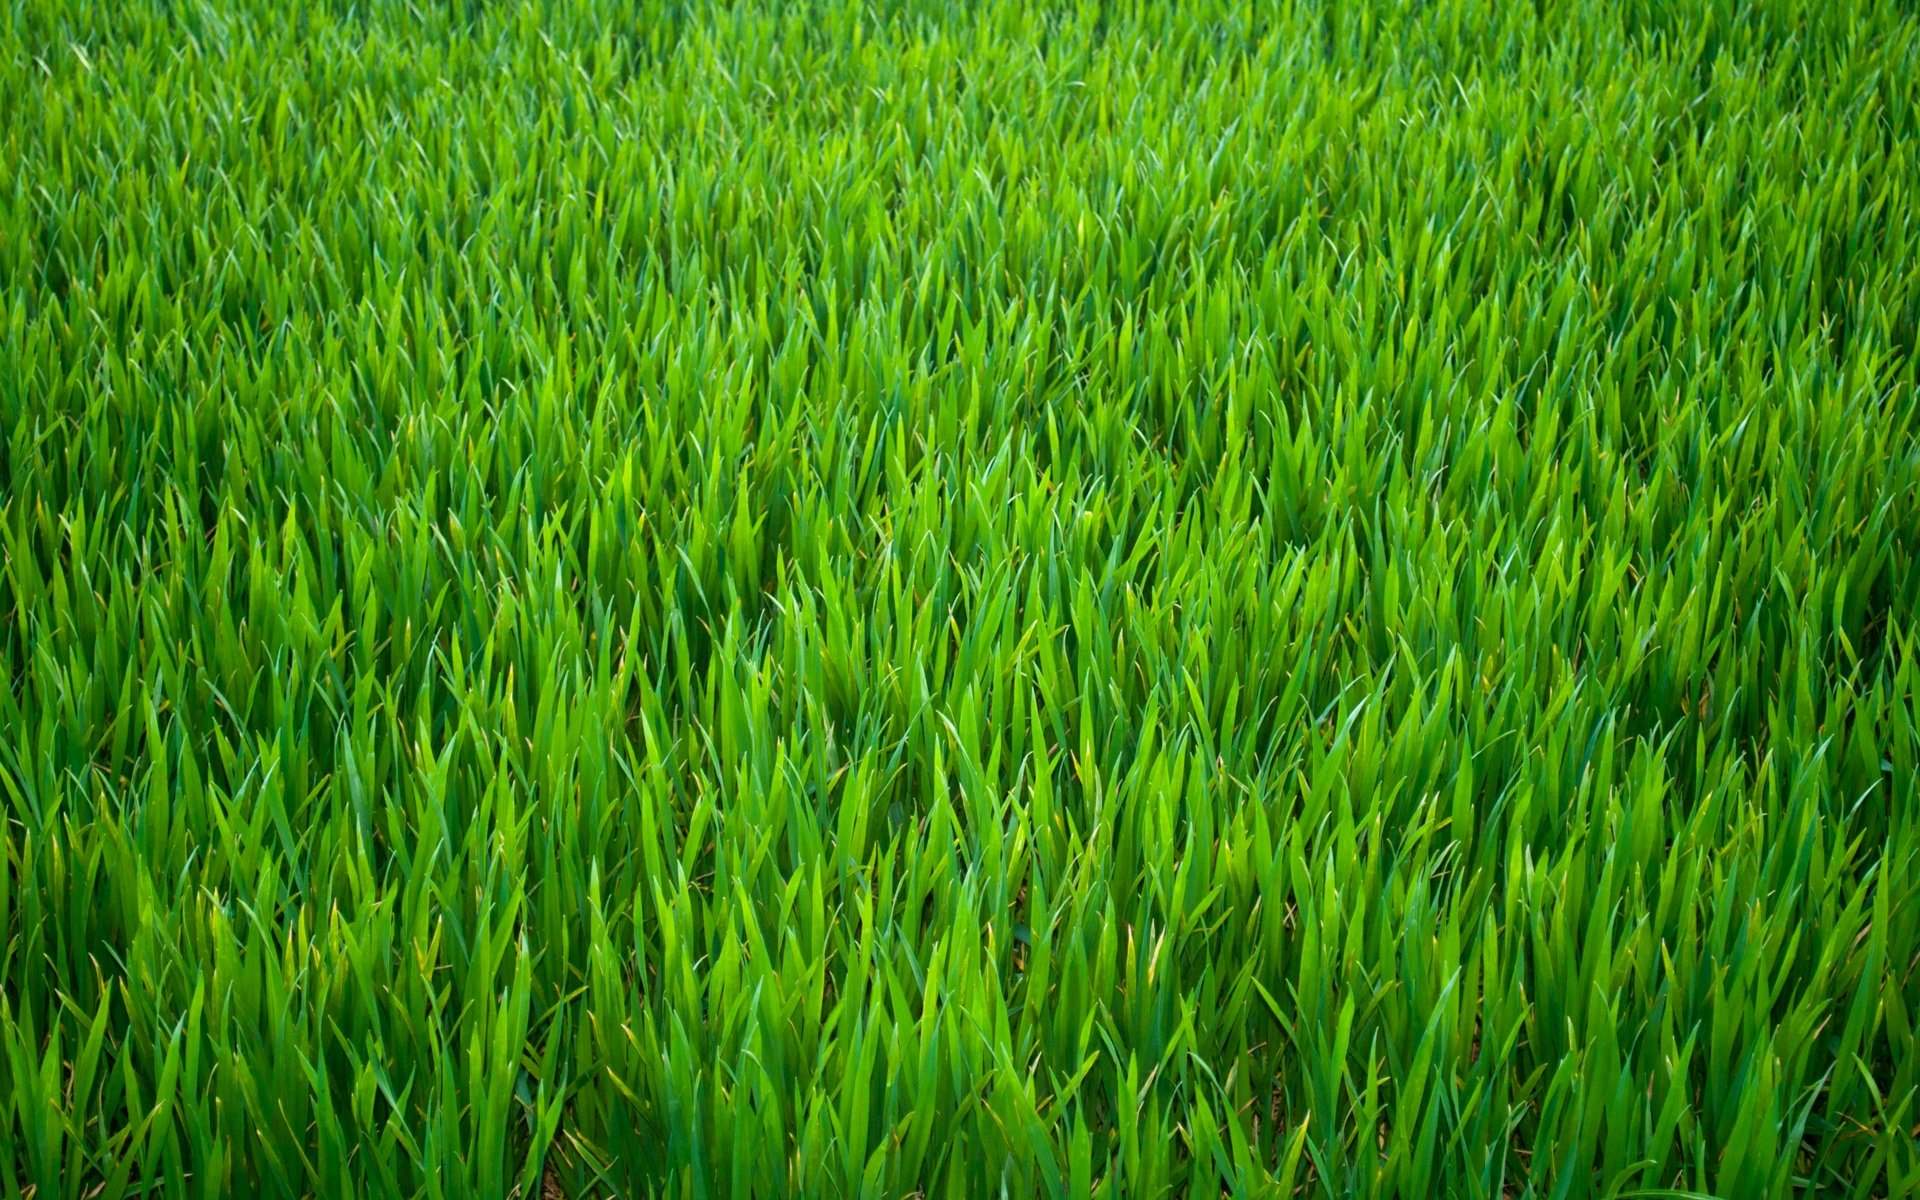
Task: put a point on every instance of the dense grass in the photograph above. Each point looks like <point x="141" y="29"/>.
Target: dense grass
<point x="869" y="600"/>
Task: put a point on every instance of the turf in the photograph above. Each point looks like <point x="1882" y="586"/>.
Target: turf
<point x="909" y="599"/>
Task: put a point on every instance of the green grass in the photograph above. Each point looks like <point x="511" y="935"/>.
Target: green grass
<point x="616" y="598"/>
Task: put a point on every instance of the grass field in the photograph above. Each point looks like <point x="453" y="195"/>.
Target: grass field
<point x="609" y="598"/>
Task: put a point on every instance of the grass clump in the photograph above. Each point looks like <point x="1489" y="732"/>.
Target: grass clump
<point x="897" y="599"/>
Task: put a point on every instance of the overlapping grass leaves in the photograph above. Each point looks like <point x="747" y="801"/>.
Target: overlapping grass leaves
<point x="907" y="599"/>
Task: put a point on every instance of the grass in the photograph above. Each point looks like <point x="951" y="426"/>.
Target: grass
<point x="616" y="598"/>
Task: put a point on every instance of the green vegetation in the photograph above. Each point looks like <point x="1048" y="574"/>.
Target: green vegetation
<point x="607" y="598"/>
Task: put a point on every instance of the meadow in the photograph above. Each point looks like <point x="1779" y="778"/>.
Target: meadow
<point x="898" y="598"/>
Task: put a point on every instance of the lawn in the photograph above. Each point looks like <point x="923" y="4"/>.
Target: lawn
<point x="1295" y="598"/>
